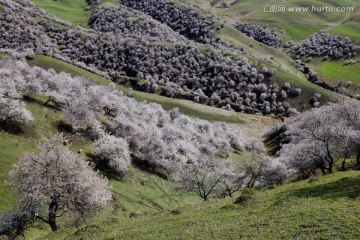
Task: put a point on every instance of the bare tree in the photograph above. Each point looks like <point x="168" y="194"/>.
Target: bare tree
<point x="204" y="178"/>
<point x="233" y="177"/>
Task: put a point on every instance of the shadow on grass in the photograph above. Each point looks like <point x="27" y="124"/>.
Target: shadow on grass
<point x="104" y="167"/>
<point x="149" y="168"/>
<point x="40" y="103"/>
<point x="26" y="131"/>
<point x="11" y="128"/>
<point x="345" y="187"/>
<point x="62" y="126"/>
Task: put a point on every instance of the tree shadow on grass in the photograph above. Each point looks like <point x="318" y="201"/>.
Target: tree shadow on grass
<point x="345" y="187"/>
<point x="41" y="103"/>
<point x="26" y="131"/>
<point x="63" y="127"/>
<point x="14" y="129"/>
<point x="103" y="166"/>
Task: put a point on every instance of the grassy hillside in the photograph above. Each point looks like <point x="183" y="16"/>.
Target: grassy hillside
<point x="349" y="29"/>
<point x="322" y="209"/>
<point x="139" y="191"/>
<point x="336" y="72"/>
<point x="297" y="25"/>
<point x="71" y="10"/>
<point x="146" y="206"/>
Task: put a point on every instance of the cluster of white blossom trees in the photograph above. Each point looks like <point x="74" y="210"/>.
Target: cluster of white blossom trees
<point x="326" y="45"/>
<point x="181" y="70"/>
<point x="187" y="21"/>
<point x="319" y="138"/>
<point x="139" y="23"/>
<point x="260" y="33"/>
<point x="164" y="141"/>
<point x="55" y="181"/>
<point x="127" y="22"/>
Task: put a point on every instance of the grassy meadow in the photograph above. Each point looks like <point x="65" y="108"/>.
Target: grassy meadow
<point x="72" y="11"/>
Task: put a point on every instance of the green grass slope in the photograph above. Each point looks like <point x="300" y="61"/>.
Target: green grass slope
<point x="72" y="11"/>
<point x="297" y="25"/>
<point x="349" y="29"/>
<point x="335" y="73"/>
<point x="322" y="209"/>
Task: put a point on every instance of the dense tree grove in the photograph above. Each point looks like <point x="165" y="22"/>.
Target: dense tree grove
<point x="175" y="69"/>
<point x="181" y="70"/>
<point x="260" y="33"/>
<point x="19" y="30"/>
<point x="313" y="77"/>
<point x="185" y="20"/>
<point x="127" y="22"/>
<point x="326" y="45"/>
<point x="318" y="138"/>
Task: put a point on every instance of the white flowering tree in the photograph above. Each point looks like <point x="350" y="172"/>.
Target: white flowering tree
<point x="57" y="181"/>
<point x="14" y="112"/>
<point x="112" y="154"/>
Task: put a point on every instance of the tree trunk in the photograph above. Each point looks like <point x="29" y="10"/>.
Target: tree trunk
<point x="330" y="167"/>
<point x="53" y="207"/>
<point x="322" y="167"/>
<point x="358" y="158"/>
<point x="229" y="192"/>
<point x="343" y="165"/>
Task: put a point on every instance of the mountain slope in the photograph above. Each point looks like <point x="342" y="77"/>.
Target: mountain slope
<point x="260" y="55"/>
